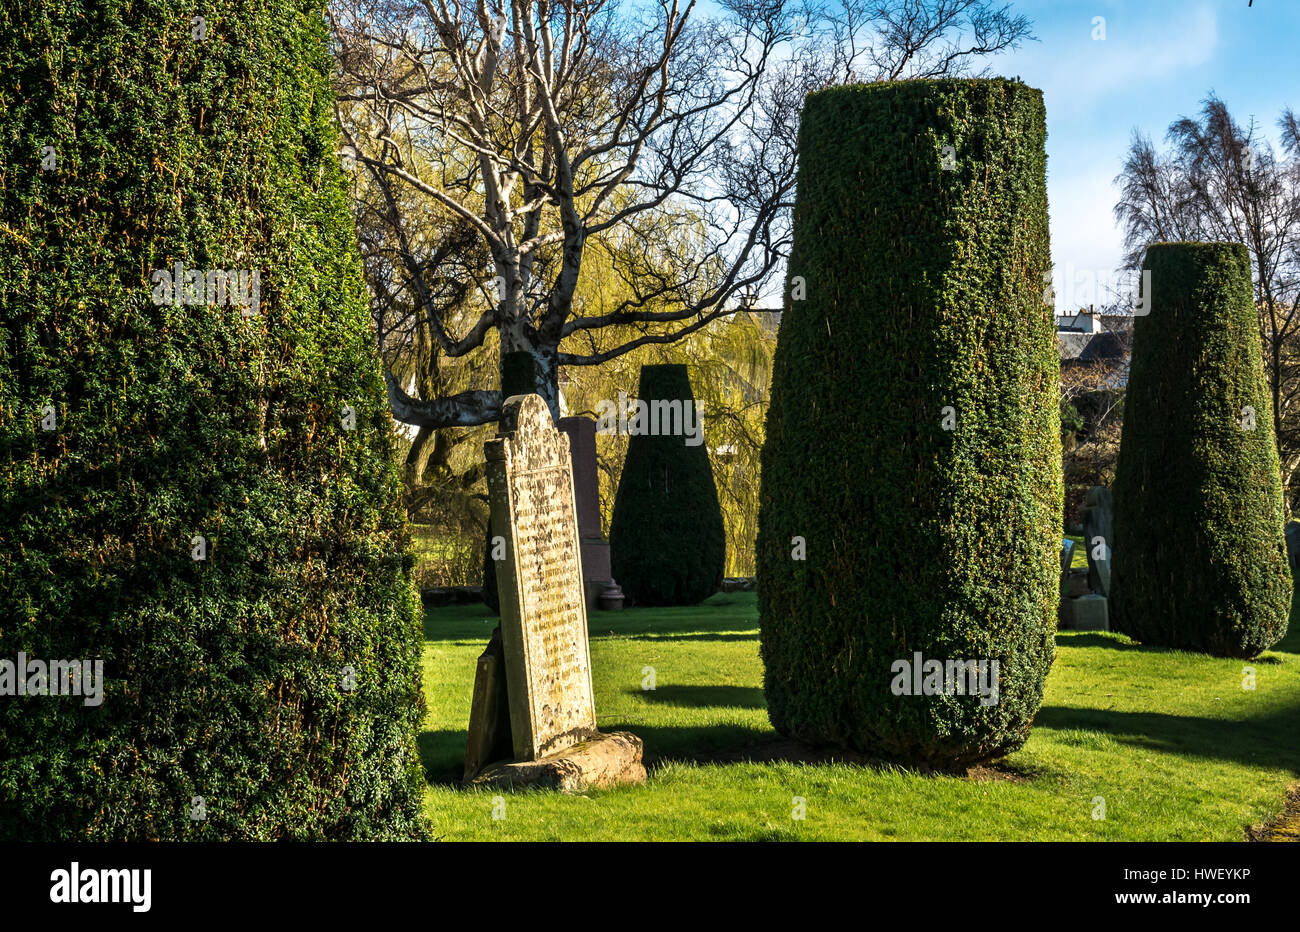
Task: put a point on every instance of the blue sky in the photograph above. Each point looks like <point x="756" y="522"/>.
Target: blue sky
<point x="1159" y="60"/>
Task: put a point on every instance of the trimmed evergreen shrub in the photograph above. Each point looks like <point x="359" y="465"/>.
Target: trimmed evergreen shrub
<point x="666" y="537"/>
<point x="911" y="487"/>
<point x="1199" y="552"/>
<point x="271" y="689"/>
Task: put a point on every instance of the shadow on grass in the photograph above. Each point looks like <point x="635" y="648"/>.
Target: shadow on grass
<point x="1256" y="742"/>
<point x="740" y="745"/>
<point x="442" y="754"/>
<point x="696" y="697"/>
<point x="1264" y="741"/>
<point x="674" y="638"/>
<point x="1069" y="639"/>
<point x="457" y="624"/>
<point x="719" y="617"/>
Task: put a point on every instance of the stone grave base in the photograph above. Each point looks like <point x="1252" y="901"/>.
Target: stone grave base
<point x="601" y="761"/>
<point x="1086" y="613"/>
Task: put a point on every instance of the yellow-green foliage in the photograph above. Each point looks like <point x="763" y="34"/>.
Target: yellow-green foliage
<point x="730" y="366"/>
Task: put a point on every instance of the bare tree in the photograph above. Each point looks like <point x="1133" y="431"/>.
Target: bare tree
<point x="551" y="128"/>
<point x="1223" y="182"/>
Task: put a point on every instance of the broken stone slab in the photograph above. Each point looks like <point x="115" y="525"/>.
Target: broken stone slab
<point x="603" y="760"/>
<point x="489" y="720"/>
<point x="737" y="584"/>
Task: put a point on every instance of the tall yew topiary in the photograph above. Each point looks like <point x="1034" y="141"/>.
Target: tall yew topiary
<point x="1200" y="558"/>
<point x="911" y="488"/>
<point x="667" y="541"/>
<point x="196" y="485"/>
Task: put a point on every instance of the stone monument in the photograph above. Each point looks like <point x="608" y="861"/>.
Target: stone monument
<point x="543" y="652"/>
<point x="1087" y="609"/>
<point x="1097" y="536"/>
<point x="596" y="580"/>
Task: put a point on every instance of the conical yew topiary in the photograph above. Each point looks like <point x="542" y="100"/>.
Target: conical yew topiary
<point x="667" y="541"/>
<point x="911" y="488"/>
<point x="1200" y="557"/>
<point x="196" y="478"/>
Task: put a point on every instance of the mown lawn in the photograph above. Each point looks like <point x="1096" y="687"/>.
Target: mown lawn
<point x="1171" y="741"/>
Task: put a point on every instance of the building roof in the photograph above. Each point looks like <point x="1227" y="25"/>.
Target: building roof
<point x="1090" y="347"/>
<point x="1072" y="343"/>
<point x="1103" y="347"/>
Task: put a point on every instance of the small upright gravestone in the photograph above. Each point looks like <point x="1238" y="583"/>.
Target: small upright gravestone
<point x="1097" y="537"/>
<point x="596" y="579"/>
<point x="544" y="652"/>
<point x="1088" y="610"/>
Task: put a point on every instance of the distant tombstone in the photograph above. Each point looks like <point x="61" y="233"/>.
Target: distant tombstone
<point x="1086" y="613"/>
<point x="1097" y="536"/>
<point x="1293" y="544"/>
<point x="1067" y="556"/>
<point x="596" y="580"/>
<point x="544" y="648"/>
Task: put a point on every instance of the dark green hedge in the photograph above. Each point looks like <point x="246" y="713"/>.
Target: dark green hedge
<point x="1200" y="556"/>
<point x="924" y="290"/>
<point x="225" y="678"/>
<point x="666" y="537"/>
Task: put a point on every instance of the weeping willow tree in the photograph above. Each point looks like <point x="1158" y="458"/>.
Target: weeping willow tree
<point x="416" y="261"/>
<point x="730" y="366"/>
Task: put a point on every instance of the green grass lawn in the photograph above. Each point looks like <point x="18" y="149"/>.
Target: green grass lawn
<point x="1171" y="741"/>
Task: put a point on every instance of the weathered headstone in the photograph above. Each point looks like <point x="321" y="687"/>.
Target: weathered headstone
<point x="544" y="648"/>
<point x="1097" y="537"/>
<point x="596" y="579"/>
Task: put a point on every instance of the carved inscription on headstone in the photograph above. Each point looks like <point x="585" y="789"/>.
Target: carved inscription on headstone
<point x="543" y="612"/>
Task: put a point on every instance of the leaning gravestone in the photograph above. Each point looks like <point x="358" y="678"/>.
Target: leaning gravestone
<point x="544" y="651"/>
